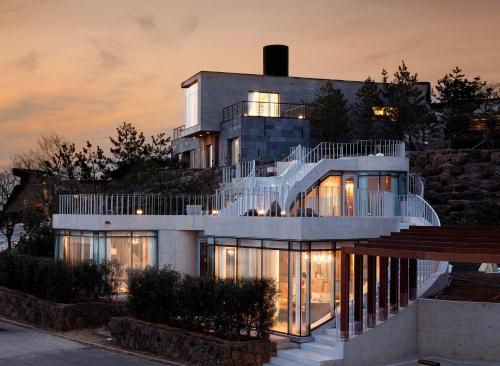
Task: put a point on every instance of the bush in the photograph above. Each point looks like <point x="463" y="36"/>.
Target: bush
<point x="227" y="308"/>
<point x="56" y="280"/>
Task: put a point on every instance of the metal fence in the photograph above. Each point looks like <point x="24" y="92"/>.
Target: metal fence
<point x="264" y="109"/>
<point x="252" y="201"/>
<point x="177" y="132"/>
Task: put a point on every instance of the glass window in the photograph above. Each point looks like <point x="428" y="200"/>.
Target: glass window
<point x="191" y="106"/>
<point x="330" y="196"/>
<point x="225" y="262"/>
<point x="263" y="104"/>
<point x="249" y="262"/>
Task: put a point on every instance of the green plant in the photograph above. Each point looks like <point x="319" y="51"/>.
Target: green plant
<point x="57" y="280"/>
<point x="227" y="308"/>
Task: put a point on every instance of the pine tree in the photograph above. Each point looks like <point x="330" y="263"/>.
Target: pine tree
<point x="368" y="96"/>
<point x="329" y="114"/>
<point x="458" y="100"/>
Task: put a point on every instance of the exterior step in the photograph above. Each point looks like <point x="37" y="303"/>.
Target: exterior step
<point x="283" y="342"/>
<point x="280" y="361"/>
<point x="323" y="349"/>
<point x="306" y="358"/>
<point x="332" y="332"/>
<point x="326" y="339"/>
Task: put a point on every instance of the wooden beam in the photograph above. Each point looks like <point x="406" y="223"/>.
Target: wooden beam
<point x="383" y="310"/>
<point x="419" y="254"/>
<point x="393" y="293"/>
<point x="372" y="293"/>
<point x="412" y="279"/>
<point x="403" y="282"/>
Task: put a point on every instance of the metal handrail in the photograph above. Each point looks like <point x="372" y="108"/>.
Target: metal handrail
<point x="177" y="132"/>
<point x="264" y="109"/>
<point x="415" y="185"/>
<point x="255" y="201"/>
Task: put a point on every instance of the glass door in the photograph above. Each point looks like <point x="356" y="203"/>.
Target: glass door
<point x="348" y="196"/>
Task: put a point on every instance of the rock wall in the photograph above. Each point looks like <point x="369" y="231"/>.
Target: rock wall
<point x="50" y="315"/>
<point x="194" y="348"/>
<point x="463" y="186"/>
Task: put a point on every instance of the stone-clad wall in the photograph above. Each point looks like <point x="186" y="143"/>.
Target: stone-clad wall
<point x="194" y="348"/>
<point x="461" y="185"/>
<point x="50" y="315"/>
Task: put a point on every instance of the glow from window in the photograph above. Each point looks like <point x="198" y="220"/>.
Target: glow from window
<point x="191" y="106"/>
<point x="263" y="104"/>
<point x="389" y="112"/>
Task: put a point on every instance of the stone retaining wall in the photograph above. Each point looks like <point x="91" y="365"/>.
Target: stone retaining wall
<point x="463" y="186"/>
<point x="195" y="348"/>
<point x="50" y="315"/>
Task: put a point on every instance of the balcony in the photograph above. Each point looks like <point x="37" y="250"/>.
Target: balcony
<point x="264" y="109"/>
<point x="177" y="132"/>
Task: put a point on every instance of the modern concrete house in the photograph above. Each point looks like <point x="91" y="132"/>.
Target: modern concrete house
<point x="232" y="117"/>
<point x="290" y="225"/>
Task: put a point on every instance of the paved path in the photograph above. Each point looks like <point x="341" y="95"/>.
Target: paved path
<point x="21" y="346"/>
<point x="412" y="361"/>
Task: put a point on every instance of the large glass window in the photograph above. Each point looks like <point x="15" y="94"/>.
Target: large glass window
<point x="191" y="106"/>
<point x="132" y="249"/>
<point x="263" y="104"/>
<point x="307" y="275"/>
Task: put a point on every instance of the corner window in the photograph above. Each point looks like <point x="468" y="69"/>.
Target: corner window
<point x="263" y="104"/>
<point x="385" y="112"/>
<point x="191" y="106"/>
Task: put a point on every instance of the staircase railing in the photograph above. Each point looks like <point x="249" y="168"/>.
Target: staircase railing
<point x="415" y="185"/>
<point x="415" y="206"/>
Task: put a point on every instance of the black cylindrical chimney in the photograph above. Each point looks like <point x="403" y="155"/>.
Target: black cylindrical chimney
<point x="276" y="60"/>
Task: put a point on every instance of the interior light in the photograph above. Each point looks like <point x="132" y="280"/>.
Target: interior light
<point x="283" y="213"/>
<point x="139" y="211"/>
<point x="135" y="241"/>
<point x="301" y="116"/>
<point x="230" y="252"/>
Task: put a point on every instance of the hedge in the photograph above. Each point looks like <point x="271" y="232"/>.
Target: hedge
<point x="229" y="309"/>
<point x="57" y="280"/>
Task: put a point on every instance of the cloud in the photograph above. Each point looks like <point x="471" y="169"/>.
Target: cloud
<point x="109" y="59"/>
<point x="146" y="22"/>
<point x="19" y="110"/>
<point x="28" y="62"/>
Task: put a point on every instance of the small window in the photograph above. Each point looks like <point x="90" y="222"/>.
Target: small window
<point x="385" y="112"/>
<point x="263" y="104"/>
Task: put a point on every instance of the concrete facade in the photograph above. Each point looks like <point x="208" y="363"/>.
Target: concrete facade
<point x="267" y="138"/>
<point x="458" y="329"/>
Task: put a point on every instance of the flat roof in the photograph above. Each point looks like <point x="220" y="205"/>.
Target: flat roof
<point x="188" y="82"/>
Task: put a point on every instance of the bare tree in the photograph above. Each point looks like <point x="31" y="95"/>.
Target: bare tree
<point x="7" y="219"/>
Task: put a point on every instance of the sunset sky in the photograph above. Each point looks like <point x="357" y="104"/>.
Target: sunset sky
<point x="81" y="67"/>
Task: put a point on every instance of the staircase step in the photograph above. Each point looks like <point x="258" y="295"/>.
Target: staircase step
<point x="307" y="358"/>
<point x="323" y="348"/>
<point x="283" y="342"/>
<point x="280" y="361"/>
<point x="332" y="332"/>
<point x="326" y="339"/>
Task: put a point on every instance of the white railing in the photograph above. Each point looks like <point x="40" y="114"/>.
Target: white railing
<point x="252" y="201"/>
<point x="136" y="204"/>
<point x="415" y="185"/>
<point x="242" y="170"/>
<point x="415" y="206"/>
<point x="334" y="150"/>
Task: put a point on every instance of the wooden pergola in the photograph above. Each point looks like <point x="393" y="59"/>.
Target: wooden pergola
<point x="398" y="255"/>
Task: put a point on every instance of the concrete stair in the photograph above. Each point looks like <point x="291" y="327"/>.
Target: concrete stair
<point x="325" y="350"/>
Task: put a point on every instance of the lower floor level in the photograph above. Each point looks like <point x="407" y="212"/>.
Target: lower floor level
<point x="306" y="273"/>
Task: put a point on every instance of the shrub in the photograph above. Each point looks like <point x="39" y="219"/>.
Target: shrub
<point x="230" y="309"/>
<point x="56" y="280"/>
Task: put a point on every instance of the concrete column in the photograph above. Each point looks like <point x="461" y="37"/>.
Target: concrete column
<point x="383" y="309"/>
<point x="393" y="295"/>
<point x="403" y="282"/>
<point x="412" y="274"/>
<point x="344" y="296"/>
<point x="358" y="294"/>
<point x="372" y="293"/>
